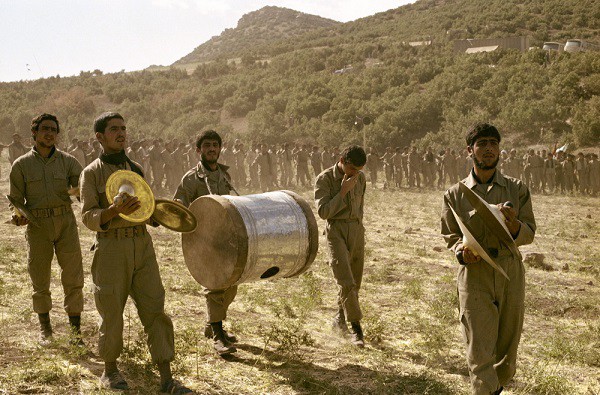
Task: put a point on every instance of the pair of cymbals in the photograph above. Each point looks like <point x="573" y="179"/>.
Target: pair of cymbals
<point x="170" y="214"/>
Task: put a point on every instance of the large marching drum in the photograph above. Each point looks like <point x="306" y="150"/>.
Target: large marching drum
<point x="242" y="239"/>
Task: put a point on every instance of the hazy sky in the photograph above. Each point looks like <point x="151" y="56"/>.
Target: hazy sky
<point x="42" y="38"/>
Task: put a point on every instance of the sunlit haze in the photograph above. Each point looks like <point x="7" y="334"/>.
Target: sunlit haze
<point x="43" y="39"/>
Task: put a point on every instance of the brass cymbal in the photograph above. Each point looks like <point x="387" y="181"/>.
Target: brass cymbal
<point x="126" y="180"/>
<point x="175" y="216"/>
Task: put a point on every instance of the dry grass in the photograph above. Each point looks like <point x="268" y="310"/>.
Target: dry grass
<point x="409" y="299"/>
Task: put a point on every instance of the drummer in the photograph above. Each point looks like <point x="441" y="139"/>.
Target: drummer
<point x="209" y="177"/>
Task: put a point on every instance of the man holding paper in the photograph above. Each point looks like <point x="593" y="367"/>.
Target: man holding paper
<point x="491" y="302"/>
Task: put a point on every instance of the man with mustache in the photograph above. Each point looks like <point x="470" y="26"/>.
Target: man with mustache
<point x="211" y="178"/>
<point x="124" y="262"/>
<point x="491" y="307"/>
<point x="40" y="180"/>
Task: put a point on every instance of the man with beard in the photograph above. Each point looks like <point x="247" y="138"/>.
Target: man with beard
<point x="210" y="178"/>
<point x="124" y="262"/>
<point x="40" y="180"/>
<point x="491" y="307"/>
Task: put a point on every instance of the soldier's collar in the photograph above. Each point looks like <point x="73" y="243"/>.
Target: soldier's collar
<point x="471" y="181"/>
<point x="52" y="151"/>
<point x="203" y="170"/>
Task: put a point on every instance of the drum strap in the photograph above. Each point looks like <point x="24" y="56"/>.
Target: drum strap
<point x="205" y="178"/>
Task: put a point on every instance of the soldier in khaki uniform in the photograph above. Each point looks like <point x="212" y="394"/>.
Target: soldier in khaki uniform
<point x="491" y="308"/>
<point x="398" y="161"/>
<point x="373" y="167"/>
<point x="40" y="180"/>
<point x="266" y="172"/>
<point x="208" y="178"/>
<point x="414" y="168"/>
<point x="339" y="197"/>
<point x="124" y="263"/>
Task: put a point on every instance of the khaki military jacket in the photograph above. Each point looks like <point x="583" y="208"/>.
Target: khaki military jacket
<point x="40" y="182"/>
<point x="414" y="161"/>
<point x="302" y="157"/>
<point x="330" y="203"/>
<point x="93" y="195"/>
<point x="500" y="190"/>
<point x="373" y="162"/>
<point x="200" y="181"/>
<point x="264" y="161"/>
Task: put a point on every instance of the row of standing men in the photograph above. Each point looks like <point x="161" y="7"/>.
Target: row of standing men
<point x="272" y="167"/>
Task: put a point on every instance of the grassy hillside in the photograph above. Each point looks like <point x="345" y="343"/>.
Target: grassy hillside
<point x="408" y="297"/>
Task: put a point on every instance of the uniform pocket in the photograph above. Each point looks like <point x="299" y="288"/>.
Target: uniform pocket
<point x="60" y="183"/>
<point x="35" y="185"/>
<point x="475" y="224"/>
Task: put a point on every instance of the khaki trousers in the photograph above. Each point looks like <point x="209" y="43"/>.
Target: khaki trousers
<point x="127" y="267"/>
<point x="218" y="301"/>
<point x="491" y="317"/>
<point x="55" y="235"/>
<point x="346" y="241"/>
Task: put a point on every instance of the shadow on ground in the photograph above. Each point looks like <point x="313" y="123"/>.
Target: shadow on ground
<point x="306" y="377"/>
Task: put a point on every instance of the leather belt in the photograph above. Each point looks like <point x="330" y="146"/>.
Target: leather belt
<point x="122" y="233"/>
<point x="50" y="212"/>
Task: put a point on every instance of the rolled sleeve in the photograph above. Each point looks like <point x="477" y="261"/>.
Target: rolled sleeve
<point x="450" y="229"/>
<point x="327" y="206"/>
<point x="90" y="202"/>
<point x="528" y="226"/>
<point x="184" y="192"/>
<point x="74" y="172"/>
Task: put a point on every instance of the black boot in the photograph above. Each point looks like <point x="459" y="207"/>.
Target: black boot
<point x="497" y="392"/>
<point x="45" y="328"/>
<point x="208" y="333"/>
<point x="356" y="334"/>
<point x="220" y="343"/>
<point x="75" y="324"/>
<point x="339" y="322"/>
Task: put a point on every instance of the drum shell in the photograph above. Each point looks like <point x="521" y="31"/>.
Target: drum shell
<point x="248" y="238"/>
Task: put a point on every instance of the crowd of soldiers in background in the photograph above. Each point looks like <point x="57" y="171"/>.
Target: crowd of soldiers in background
<point x="263" y="167"/>
<point x="542" y="171"/>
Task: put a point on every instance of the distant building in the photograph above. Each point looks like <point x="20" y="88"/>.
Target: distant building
<point x="553" y="46"/>
<point x="418" y="43"/>
<point x="576" y="45"/>
<point x="344" y="70"/>
<point x="487" y="44"/>
<point x="491" y="48"/>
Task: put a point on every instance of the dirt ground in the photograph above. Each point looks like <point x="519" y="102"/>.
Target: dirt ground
<point x="286" y="344"/>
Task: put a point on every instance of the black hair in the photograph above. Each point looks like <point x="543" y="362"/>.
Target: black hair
<point x="481" y="130"/>
<point x="208" y="135"/>
<point x="354" y="155"/>
<point x="35" y="122"/>
<point x="101" y="122"/>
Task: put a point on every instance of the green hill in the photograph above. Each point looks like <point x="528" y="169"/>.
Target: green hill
<point x="283" y="86"/>
<point x="257" y="29"/>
